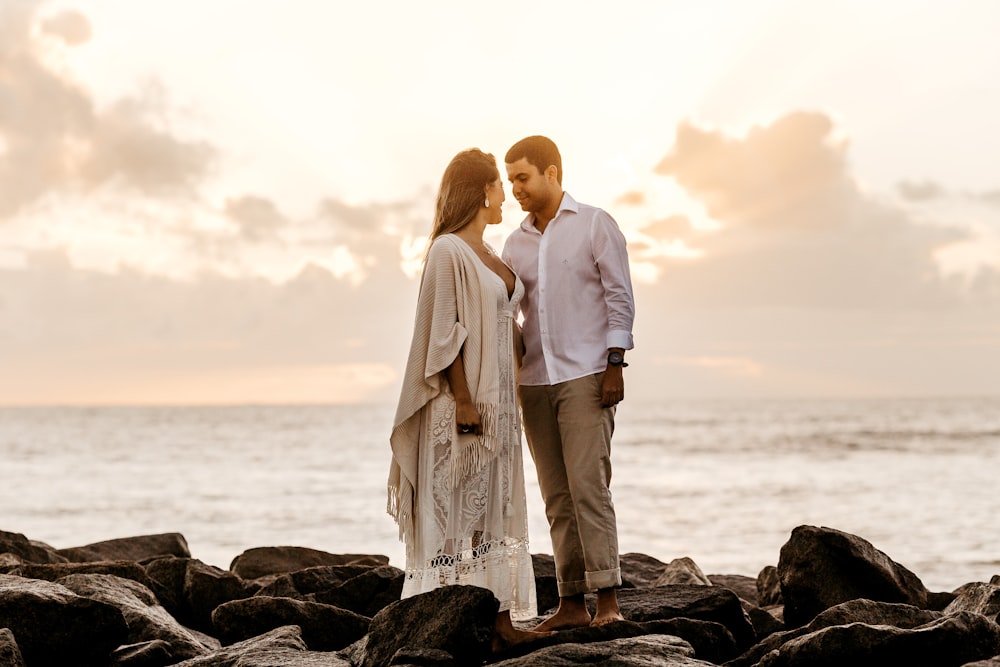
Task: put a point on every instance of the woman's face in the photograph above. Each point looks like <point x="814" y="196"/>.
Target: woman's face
<point x="495" y="195"/>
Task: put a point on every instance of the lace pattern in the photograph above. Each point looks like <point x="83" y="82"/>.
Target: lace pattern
<point x="474" y="530"/>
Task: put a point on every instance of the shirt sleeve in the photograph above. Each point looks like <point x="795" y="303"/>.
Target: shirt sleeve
<point x="611" y="257"/>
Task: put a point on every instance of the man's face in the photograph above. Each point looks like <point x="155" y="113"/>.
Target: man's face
<point x="531" y="188"/>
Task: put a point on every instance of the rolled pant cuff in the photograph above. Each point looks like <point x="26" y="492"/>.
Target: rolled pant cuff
<point x="571" y="588"/>
<point x="604" y="579"/>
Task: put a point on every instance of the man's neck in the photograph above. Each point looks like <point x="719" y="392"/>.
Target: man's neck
<point x="544" y="217"/>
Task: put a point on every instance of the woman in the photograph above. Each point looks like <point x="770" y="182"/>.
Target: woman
<point x="456" y="482"/>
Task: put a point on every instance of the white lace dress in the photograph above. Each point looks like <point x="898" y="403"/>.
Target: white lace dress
<point x="475" y="531"/>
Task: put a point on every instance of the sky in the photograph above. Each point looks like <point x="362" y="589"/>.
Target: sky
<point x="226" y="202"/>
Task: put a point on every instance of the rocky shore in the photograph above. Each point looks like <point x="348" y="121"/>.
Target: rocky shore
<point x="831" y="599"/>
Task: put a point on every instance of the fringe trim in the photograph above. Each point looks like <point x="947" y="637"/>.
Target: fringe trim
<point x="469" y="455"/>
<point x="400" y="503"/>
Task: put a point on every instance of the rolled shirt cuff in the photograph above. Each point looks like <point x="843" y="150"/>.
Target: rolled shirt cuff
<point x="620" y="338"/>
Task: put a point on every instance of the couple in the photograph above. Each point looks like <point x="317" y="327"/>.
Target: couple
<point x="456" y="482"/>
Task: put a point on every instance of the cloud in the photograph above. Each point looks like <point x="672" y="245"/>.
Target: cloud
<point x="258" y="218"/>
<point x="56" y="141"/>
<point x="923" y="191"/>
<point x="796" y="230"/>
<point x="70" y="26"/>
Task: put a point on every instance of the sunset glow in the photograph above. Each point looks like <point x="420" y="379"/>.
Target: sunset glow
<point x="229" y="202"/>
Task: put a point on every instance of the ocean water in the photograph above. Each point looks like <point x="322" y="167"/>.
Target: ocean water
<point x="723" y="482"/>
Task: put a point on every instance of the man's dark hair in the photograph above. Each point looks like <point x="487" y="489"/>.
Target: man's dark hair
<point x="540" y="151"/>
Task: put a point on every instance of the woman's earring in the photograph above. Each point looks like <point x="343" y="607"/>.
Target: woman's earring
<point x="487" y="203"/>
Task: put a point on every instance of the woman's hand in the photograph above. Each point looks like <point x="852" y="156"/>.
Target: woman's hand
<point x="467" y="417"/>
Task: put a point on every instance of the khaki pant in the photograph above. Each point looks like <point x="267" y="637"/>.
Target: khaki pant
<point x="569" y="436"/>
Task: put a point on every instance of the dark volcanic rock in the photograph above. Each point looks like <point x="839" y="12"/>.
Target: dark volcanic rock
<point x="155" y="653"/>
<point x="950" y="641"/>
<point x="769" y="587"/>
<point x="367" y="593"/>
<point x="639" y="570"/>
<point x="324" y="627"/>
<point x="705" y="603"/>
<point x="119" y="568"/>
<point x="682" y="571"/>
<point x="282" y="647"/>
<point x="169" y="575"/>
<point x="147" y="620"/>
<point x="456" y="619"/>
<point x="10" y="654"/>
<point x="262" y="561"/>
<point x="136" y="549"/>
<point x="546" y="588"/>
<point x="711" y="641"/>
<point x="822" y="567"/>
<point x="645" y="651"/>
<point x="205" y="588"/>
<point x="979" y="597"/>
<point x="423" y="657"/>
<point x="867" y="612"/>
<point x="27" y="550"/>
<point x="54" y="626"/>
<point x="744" y="587"/>
<point x="310" y="580"/>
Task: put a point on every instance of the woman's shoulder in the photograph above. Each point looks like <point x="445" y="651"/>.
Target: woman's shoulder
<point x="446" y="245"/>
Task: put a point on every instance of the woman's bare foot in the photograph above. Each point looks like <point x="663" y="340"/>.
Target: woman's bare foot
<point x="506" y="635"/>
<point x="572" y="613"/>
<point x="607" y="608"/>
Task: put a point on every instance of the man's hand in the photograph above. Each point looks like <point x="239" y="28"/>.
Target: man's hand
<point x="613" y="387"/>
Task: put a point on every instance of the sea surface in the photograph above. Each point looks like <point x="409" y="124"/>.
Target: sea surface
<point x="722" y="482"/>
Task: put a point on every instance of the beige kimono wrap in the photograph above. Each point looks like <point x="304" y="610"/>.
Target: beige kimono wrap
<point x="459" y="499"/>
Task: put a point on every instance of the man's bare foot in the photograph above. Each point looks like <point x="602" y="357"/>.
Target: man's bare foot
<point x="572" y="613"/>
<point x="600" y="620"/>
<point x="607" y="608"/>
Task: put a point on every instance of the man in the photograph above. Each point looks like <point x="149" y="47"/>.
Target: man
<point x="578" y="311"/>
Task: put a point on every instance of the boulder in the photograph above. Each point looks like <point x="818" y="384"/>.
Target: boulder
<point x="262" y="561"/>
<point x="546" y="588"/>
<point x="168" y="575"/>
<point x="764" y="622"/>
<point x="324" y="627"/>
<point x="704" y="603"/>
<point x="422" y="657"/>
<point x="368" y="592"/>
<point x="147" y="620"/>
<point x="54" y="626"/>
<point x="745" y="587"/>
<point x="769" y="587"/>
<point x="456" y="619"/>
<point x="639" y="570"/>
<point x="822" y="567"/>
<point x="992" y="662"/>
<point x="26" y="550"/>
<point x="310" y="580"/>
<point x="949" y="641"/>
<point x="853" y="612"/>
<point x="137" y="548"/>
<point x="281" y="647"/>
<point x="979" y="597"/>
<point x="119" y="568"/>
<point x="710" y="641"/>
<point x="682" y="571"/>
<point x="155" y="653"/>
<point x="660" y="650"/>
<point x="10" y="654"/>
<point x="205" y="588"/>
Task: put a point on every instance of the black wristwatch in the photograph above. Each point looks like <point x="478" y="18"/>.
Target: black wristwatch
<point x="616" y="359"/>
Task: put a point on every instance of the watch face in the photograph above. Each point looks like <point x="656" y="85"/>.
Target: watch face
<point x="615" y="358"/>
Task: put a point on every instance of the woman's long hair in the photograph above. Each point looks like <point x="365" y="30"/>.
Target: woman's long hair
<point x="462" y="191"/>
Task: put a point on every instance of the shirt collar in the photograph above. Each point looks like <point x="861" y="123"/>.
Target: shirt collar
<point x="567" y="204"/>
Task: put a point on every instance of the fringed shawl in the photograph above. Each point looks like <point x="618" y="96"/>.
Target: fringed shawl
<point x="456" y="313"/>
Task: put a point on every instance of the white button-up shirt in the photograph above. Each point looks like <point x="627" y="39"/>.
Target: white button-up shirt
<point x="578" y="292"/>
